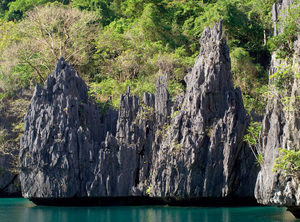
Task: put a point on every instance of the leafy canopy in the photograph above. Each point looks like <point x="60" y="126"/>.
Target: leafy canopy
<point x="134" y="39"/>
<point x="45" y="34"/>
<point x="288" y="161"/>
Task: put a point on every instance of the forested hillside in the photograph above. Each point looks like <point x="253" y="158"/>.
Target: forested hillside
<point x="116" y="43"/>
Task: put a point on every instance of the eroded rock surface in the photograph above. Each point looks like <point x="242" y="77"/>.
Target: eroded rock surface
<point x="281" y="129"/>
<point x="189" y="148"/>
<point x="203" y="153"/>
<point x="63" y="131"/>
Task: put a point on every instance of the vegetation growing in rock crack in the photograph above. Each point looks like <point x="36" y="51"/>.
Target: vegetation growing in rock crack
<point x="252" y="138"/>
<point x="289" y="162"/>
<point x="146" y="113"/>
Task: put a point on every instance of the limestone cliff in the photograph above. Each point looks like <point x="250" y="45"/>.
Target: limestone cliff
<point x="281" y="129"/>
<point x="202" y="152"/>
<point x="168" y="150"/>
<point x="63" y="131"/>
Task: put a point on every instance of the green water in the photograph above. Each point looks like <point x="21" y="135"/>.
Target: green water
<point x="22" y="210"/>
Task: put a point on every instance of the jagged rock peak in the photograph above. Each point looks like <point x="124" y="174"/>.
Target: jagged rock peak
<point x="65" y="79"/>
<point x="204" y="139"/>
<point x="162" y="101"/>
<point x="190" y="148"/>
<point x="60" y="66"/>
<point x="127" y="90"/>
<point x="214" y="34"/>
<point x="212" y="69"/>
<point x="63" y="131"/>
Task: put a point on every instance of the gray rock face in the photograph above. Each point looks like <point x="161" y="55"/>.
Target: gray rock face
<point x="163" y="103"/>
<point x="123" y="162"/>
<point x="278" y="10"/>
<point x="202" y="153"/>
<point x="188" y="148"/>
<point x="62" y="132"/>
<point x="273" y="124"/>
<point x="281" y="129"/>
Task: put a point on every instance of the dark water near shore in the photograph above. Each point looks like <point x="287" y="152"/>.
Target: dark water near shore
<point x="22" y="210"/>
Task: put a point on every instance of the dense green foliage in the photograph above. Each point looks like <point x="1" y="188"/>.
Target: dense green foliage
<point x="15" y="10"/>
<point x="290" y="27"/>
<point x="289" y="162"/>
<point x="131" y="42"/>
<point x="34" y="44"/>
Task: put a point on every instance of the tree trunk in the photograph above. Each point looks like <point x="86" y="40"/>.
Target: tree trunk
<point x="265" y="37"/>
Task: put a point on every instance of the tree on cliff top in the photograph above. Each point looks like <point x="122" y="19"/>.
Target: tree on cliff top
<point x="14" y="10"/>
<point x="45" y="34"/>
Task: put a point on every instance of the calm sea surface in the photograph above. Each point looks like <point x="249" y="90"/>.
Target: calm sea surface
<point x="18" y="209"/>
